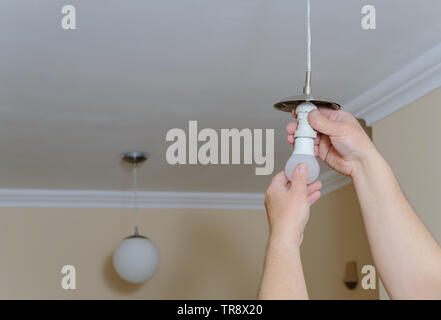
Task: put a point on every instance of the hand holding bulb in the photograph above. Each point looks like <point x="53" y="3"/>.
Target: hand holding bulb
<point x="342" y="145"/>
<point x="287" y="205"/>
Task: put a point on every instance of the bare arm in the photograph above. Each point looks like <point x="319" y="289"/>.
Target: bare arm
<point x="288" y="212"/>
<point x="406" y="255"/>
<point x="283" y="274"/>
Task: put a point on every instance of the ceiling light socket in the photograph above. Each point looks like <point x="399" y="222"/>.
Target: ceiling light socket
<point x="135" y="157"/>
<point x="289" y="104"/>
<point x="304" y="129"/>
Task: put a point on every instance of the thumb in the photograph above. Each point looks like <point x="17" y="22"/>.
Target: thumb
<point x="323" y="124"/>
<point x="300" y="178"/>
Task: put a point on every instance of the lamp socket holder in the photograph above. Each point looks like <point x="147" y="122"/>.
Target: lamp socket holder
<point x="304" y="129"/>
<point x="135" y="157"/>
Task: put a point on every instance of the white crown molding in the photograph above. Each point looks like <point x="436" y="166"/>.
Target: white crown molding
<point x="22" y="198"/>
<point x="332" y="181"/>
<point x="124" y="199"/>
<point x="405" y="86"/>
<point x="413" y="81"/>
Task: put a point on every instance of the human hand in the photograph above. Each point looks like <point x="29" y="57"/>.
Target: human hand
<point x="287" y="204"/>
<point x="342" y="144"/>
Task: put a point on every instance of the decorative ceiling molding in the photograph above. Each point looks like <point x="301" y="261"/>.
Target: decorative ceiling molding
<point x="153" y="200"/>
<point x="408" y="84"/>
<point x="124" y="199"/>
<point x="332" y="181"/>
<point x="413" y="81"/>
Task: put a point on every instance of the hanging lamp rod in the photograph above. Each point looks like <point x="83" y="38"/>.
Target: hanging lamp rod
<point x="290" y="103"/>
<point x="134" y="158"/>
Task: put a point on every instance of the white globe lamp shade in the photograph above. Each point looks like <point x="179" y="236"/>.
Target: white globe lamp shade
<point x="136" y="259"/>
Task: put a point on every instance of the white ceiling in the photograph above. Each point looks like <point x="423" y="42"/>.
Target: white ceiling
<point x="72" y="101"/>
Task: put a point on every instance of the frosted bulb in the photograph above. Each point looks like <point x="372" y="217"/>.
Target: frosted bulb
<point x="310" y="160"/>
<point x="136" y="259"/>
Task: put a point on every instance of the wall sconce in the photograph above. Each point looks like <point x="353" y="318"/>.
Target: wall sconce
<point x="351" y="277"/>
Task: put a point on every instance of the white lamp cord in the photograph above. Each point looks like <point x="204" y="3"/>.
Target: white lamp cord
<point x="307" y="87"/>
<point x="135" y="203"/>
<point x="308" y="36"/>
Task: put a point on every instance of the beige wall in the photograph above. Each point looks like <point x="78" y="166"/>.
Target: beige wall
<point x="409" y="139"/>
<point x="205" y="254"/>
<point x="335" y="235"/>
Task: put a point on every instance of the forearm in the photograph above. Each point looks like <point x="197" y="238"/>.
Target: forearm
<point x="406" y="255"/>
<point x="283" y="274"/>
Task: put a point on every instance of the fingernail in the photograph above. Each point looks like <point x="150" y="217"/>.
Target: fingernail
<point x="302" y="168"/>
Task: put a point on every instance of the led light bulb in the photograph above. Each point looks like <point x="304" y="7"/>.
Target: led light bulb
<point x="304" y="144"/>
